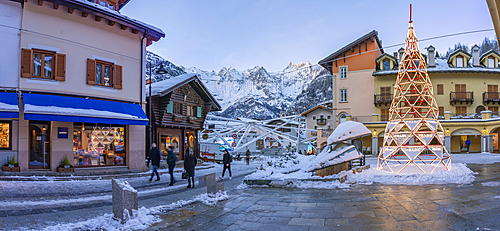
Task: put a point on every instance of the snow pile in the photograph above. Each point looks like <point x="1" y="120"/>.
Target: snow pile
<point x="126" y="186"/>
<point x="348" y="130"/>
<point x="206" y="198"/>
<point x="288" y="166"/>
<point x="336" y="154"/>
<point x="140" y="219"/>
<point x="491" y="184"/>
<point x="459" y="174"/>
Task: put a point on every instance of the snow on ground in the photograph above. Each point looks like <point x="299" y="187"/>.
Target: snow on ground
<point x="459" y="174"/>
<point x="140" y="219"/>
<point x="471" y="158"/>
<point x="491" y="184"/>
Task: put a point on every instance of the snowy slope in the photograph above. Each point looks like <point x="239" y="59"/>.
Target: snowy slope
<point x="257" y="93"/>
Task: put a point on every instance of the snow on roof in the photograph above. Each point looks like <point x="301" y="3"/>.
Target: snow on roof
<point x="348" y="130"/>
<point x="55" y="110"/>
<point x="118" y="15"/>
<point x="8" y="107"/>
<point x="327" y="158"/>
<point x="442" y="66"/>
<point x="165" y="86"/>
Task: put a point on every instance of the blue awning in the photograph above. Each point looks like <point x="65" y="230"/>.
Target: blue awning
<point x="8" y="105"/>
<point x="71" y="109"/>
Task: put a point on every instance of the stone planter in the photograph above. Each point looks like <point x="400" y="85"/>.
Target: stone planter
<point x="62" y="169"/>
<point x="13" y="169"/>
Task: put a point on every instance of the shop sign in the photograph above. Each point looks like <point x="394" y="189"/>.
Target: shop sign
<point x="464" y="132"/>
<point x="62" y="133"/>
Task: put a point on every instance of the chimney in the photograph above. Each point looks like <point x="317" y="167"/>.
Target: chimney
<point x="401" y="51"/>
<point x="475" y="56"/>
<point x="395" y="54"/>
<point x="431" y="56"/>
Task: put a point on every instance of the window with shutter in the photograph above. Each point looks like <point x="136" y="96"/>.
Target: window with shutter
<point x="104" y="73"/>
<point x="44" y="64"/>
<point x="198" y="112"/>
<point x="170" y="107"/>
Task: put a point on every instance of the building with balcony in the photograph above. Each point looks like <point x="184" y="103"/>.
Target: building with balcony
<point x="465" y="87"/>
<point x="76" y="73"/>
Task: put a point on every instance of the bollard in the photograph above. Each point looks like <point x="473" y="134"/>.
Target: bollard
<point x="125" y="199"/>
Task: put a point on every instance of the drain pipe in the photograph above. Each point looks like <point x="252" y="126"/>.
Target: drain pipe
<point x="145" y="34"/>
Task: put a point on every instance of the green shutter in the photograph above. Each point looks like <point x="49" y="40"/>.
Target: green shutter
<point x="170" y="107"/>
<point x="198" y="112"/>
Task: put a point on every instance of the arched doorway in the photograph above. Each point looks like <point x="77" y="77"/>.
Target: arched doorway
<point x="459" y="141"/>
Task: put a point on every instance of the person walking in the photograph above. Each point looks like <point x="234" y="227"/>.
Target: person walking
<point x="189" y="164"/>
<point x="171" y="159"/>
<point x="226" y="161"/>
<point x="467" y="142"/>
<point x="247" y="156"/>
<point x="154" y="157"/>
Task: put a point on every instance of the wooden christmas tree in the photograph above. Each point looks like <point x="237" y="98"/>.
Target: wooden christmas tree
<point x="413" y="139"/>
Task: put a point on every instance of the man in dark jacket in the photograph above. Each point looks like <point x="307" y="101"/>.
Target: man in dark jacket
<point x="247" y="156"/>
<point x="189" y="164"/>
<point x="154" y="157"/>
<point x="226" y="161"/>
<point x="171" y="159"/>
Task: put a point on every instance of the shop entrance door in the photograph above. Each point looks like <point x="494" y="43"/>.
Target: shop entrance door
<point x="39" y="145"/>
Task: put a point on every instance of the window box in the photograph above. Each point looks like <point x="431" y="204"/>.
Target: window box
<point x="43" y="64"/>
<point x="192" y="119"/>
<point x="11" y="169"/>
<point x="104" y="74"/>
<point x="64" y="169"/>
<point x="177" y="117"/>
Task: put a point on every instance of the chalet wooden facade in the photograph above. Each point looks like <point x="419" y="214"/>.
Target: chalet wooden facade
<point x="179" y="108"/>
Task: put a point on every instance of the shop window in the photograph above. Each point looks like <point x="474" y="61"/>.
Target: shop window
<point x="43" y="64"/>
<point x="98" y="145"/>
<point x="104" y="74"/>
<point x="169" y="140"/>
<point x="5" y="135"/>
<point x="440" y="89"/>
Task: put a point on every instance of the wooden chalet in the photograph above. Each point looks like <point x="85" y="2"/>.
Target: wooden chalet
<point x="179" y="107"/>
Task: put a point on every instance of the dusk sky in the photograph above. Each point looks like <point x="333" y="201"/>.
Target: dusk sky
<point x="242" y="34"/>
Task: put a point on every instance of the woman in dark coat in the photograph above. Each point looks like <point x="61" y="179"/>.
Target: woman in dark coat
<point x="189" y="164"/>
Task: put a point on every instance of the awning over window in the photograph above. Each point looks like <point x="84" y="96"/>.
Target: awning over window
<point x="71" y="109"/>
<point x="8" y="105"/>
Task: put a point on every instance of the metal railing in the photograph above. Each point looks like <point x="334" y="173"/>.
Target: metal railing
<point x="465" y="116"/>
<point x="382" y="99"/>
<point x="491" y="97"/>
<point x="321" y="121"/>
<point x="461" y="96"/>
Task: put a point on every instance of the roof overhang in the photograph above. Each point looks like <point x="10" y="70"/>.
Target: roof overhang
<point x="494" y="7"/>
<point x="154" y="34"/>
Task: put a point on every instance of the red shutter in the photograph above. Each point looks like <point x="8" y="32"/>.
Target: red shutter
<point x="60" y="70"/>
<point x="90" y="71"/>
<point x="26" y="62"/>
<point x="118" y="76"/>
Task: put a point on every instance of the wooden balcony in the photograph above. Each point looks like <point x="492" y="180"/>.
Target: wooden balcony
<point x="461" y="97"/>
<point x="321" y="121"/>
<point x="380" y="99"/>
<point x="491" y="97"/>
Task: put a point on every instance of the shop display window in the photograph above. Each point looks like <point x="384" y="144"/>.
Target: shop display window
<point x="167" y="140"/>
<point x="98" y="145"/>
<point x="5" y="133"/>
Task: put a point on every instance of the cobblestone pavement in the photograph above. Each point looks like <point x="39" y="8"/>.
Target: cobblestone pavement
<point x="362" y="207"/>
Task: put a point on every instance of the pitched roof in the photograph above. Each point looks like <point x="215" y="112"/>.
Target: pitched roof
<point x="488" y="53"/>
<point x="314" y="109"/>
<point x="385" y="55"/>
<point x="166" y="86"/>
<point x="326" y="62"/>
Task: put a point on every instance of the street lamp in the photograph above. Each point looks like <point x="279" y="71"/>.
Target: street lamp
<point x="160" y="71"/>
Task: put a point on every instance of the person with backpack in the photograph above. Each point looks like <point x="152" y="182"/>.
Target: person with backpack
<point x="247" y="156"/>
<point x="171" y="159"/>
<point x="226" y="161"/>
<point x="154" y="157"/>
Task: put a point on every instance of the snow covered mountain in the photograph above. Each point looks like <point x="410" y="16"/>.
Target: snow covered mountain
<point x="256" y="93"/>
